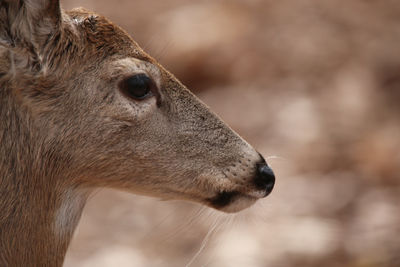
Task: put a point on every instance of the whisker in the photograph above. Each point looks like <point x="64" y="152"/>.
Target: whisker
<point x="158" y="225"/>
<point x="276" y="157"/>
<point x="189" y="220"/>
<point x="160" y="55"/>
<point x="205" y="240"/>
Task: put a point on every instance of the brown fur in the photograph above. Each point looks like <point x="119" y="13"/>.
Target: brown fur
<point x="65" y="129"/>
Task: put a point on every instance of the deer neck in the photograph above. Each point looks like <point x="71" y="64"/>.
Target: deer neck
<point x="39" y="208"/>
<point x="37" y="222"/>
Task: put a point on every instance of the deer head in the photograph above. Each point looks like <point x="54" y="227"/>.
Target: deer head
<point x="83" y="106"/>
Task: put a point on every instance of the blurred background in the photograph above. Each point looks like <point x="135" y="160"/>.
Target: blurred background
<point x="314" y="85"/>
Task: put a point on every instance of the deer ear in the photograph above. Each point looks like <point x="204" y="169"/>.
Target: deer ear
<point x="27" y="25"/>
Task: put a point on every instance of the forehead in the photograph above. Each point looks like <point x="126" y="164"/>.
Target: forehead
<point x="104" y="38"/>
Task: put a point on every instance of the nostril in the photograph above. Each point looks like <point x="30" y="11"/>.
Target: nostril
<point x="265" y="178"/>
<point x="266" y="173"/>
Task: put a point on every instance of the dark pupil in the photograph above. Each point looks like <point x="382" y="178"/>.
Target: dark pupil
<point x="138" y="86"/>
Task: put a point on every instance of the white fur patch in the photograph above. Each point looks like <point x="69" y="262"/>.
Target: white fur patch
<point x="67" y="216"/>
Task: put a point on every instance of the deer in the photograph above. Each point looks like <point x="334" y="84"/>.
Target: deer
<point x="82" y="106"/>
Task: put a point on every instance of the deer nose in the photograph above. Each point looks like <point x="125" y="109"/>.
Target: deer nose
<point x="265" y="178"/>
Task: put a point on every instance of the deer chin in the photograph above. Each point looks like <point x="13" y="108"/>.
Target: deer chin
<point x="231" y="202"/>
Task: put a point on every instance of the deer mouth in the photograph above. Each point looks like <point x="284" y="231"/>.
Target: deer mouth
<point x="234" y="201"/>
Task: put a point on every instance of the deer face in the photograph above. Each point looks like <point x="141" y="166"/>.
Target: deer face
<point x="119" y="119"/>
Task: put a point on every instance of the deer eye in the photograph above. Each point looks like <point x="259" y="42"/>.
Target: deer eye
<point x="137" y="86"/>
